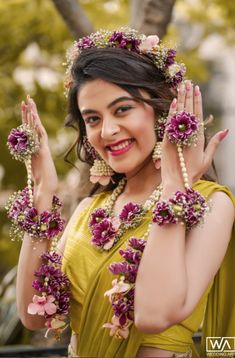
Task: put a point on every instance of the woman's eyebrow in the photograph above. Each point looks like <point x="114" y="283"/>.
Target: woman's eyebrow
<point x="117" y="100"/>
<point x="120" y="99"/>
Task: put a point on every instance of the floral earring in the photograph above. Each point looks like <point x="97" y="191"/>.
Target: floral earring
<point x="159" y="128"/>
<point x="157" y="154"/>
<point x="100" y="171"/>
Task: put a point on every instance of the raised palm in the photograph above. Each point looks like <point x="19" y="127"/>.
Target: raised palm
<point x="43" y="169"/>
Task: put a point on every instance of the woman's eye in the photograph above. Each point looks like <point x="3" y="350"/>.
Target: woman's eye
<point x="91" y="120"/>
<point x="123" y="109"/>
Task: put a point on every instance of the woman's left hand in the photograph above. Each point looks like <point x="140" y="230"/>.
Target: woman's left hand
<point x="197" y="159"/>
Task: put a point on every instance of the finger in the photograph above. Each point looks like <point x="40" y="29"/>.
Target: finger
<point x="209" y="120"/>
<point x="39" y="129"/>
<point x="31" y="116"/>
<point x="189" y="97"/>
<point x="27" y="114"/>
<point x="181" y="97"/>
<point x="198" y="104"/>
<point x="30" y="119"/>
<point x="212" y="146"/>
<point x="172" y="109"/>
<point x="35" y="114"/>
<point x="34" y="106"/>
<point x="23" y="112"/>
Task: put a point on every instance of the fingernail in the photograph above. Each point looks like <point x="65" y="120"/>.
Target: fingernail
<point x="223" y="134"/>
<point x="188" y="85"/>
<point x="182" y="88"/>
<point x="22" y="106"/>
<point x="174" y="102"/>
<point x="197" y="91"/>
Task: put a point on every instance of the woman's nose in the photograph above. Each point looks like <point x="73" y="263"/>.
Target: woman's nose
<point x="109" y="128"/>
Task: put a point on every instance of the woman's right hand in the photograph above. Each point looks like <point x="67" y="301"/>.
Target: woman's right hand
<point x="43" y="169"/>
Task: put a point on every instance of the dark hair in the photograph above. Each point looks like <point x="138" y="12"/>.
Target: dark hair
<point x="128" y="70"/>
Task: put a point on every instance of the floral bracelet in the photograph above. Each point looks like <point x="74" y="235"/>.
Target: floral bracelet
<point x="25" y="218"/>
<point x="52" y="285"/>
<point x="188" y="207"/>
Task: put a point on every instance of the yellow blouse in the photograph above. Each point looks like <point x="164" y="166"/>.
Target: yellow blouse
<point x="87" y="271"/>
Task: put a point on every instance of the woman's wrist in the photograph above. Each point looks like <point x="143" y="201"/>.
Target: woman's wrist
<point x="170" y="187"/>
<point x="43" y="199"/>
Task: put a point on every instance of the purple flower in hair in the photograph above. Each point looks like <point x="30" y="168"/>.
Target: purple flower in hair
<point x="119" y="39"/>
<point x="85" y="42"/>
<point x="178" y="77"/>
<point x="170" y="60"/>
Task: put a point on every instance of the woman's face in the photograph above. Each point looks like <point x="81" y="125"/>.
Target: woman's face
<point x="118" y="127"/>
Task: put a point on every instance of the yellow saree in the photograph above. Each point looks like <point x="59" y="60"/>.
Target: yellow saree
<point x="87" y="269"/>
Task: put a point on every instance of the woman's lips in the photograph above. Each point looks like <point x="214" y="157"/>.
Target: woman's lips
<point x="120" y="148"/>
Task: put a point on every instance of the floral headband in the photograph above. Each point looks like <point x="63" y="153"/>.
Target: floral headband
<point x="129" y="39"/>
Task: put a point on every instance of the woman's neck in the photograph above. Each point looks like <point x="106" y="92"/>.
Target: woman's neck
<point x="143" y="181"/>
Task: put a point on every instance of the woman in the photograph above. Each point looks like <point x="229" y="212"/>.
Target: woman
<point x="121" y="86"/>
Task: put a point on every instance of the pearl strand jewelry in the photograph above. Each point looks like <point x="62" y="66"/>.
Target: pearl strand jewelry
<point x="183" y="166"/>
<point x="118" y="190"/>
<point x="115" y="194"/>
<point x="107" y="229"/>
<point x="28" y="164"/>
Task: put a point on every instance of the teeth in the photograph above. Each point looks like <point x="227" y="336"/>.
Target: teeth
<point x="121" y="146"/>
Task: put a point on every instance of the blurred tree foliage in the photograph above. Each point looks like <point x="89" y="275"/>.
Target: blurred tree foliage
<point x="33" y="43"/>
<point x="196" y="22"/>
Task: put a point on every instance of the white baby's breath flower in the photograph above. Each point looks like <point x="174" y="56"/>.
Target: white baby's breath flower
<point x="173" y="69"/>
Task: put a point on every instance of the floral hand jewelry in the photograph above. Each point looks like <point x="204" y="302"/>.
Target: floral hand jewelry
<point x="183" y="128"/>
<point x="106" y="229"/>
<point x="52" y="284"/>
<point x="189" y="206"/>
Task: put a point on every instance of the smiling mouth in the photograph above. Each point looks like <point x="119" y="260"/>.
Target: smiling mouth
<point x="121" y="145"/>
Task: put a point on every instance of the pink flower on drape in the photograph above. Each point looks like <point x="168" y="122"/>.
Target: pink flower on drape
<point x="116" y="329"/>
<point x="42" y="305"/>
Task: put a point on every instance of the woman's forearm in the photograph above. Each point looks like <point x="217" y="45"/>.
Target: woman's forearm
<point x="161" y="284"/>
<point x="29" y="262"/>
